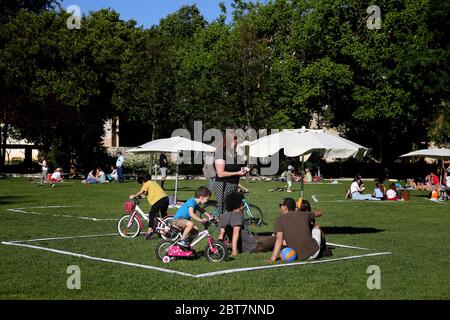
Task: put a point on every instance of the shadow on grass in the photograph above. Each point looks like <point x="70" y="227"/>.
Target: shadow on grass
<point x="350" y="230"/>
<point x="12" y="199"/>
<point x="181" y="189"/>
<point x="338" y="230"/>
<point x="427" y="195"/>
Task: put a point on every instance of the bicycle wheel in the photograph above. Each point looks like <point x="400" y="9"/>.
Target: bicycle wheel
<point x="253" y="218"/>
<point x="168" y="232"/>
<point x="162" y="248"/>
<point x="220" y="255"/>
<point x="211" y="208"/>
<point x="128" y="232"/>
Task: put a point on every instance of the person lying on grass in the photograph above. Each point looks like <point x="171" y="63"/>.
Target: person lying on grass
<point x="185" y="214"/>
<point x="293" y="226"/>
<point x="156" y="197"/>
<point x="232" y="225"/>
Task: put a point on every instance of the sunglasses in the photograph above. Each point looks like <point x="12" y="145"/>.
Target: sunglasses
<point x="282" y="204"/>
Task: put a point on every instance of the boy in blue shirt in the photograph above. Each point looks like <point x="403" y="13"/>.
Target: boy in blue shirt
<point x="185" y="214"/>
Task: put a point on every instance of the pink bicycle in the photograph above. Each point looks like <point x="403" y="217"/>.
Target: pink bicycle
<point x="215" y="251"/>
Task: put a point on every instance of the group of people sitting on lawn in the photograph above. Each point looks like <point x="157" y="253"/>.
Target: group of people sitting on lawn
<point x="390" y="194"/>
<point x="380" y="192"/>
<point x="97" y="175"/>
<point x="430" y="182"/>
<point x="395" y="192"/>
<point x="294" y="228"/>
<point x="294" y="175"/>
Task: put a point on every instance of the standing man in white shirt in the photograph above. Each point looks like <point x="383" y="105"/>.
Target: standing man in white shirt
<point x="119" y="166"/>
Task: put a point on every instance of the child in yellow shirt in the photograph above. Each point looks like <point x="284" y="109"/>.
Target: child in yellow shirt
<point x="157" y="198"/>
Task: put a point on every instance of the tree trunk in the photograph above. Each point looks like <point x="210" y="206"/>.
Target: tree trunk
<point x="4" y="136"/>
<point x="380" y="140"/>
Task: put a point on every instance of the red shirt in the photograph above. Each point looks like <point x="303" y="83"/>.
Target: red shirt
<point x="435" y="180"/>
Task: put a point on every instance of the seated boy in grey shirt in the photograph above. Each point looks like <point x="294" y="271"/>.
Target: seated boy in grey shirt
<point x="232" y="225"/>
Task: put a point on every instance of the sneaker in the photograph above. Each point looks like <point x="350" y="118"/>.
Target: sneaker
<point x="289" y="191"/>
<point x="183" y="243"/>
<point x="53" y="185"/>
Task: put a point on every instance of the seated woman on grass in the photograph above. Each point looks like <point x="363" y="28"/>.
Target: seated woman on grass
<point x="100" y="176"/>
<point x="91" y="177"/>
<point x="308" y="176"/>
<point x="356" y="190"/>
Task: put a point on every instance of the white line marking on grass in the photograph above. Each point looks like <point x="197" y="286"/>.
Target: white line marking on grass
<point x="210" y="274"/>
<point x="50" y="207"/>
<point x="345" y="246"/>
<point x="78" y="255"/>
<point x="66" y="238"/>
<point x="314" y="197"/>
<point x="20" y="210"/>
<point x="20" y="243"/>
<point x="333" y="201"/>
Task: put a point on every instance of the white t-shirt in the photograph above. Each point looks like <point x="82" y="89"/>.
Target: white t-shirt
<point x="56" y="175"/>
<point x="354" y="187"/>
<point x="391" y="194"/>
<point x="119" y="162"/>
<point x="448" y="181"/>
<point x="44" y="166"/>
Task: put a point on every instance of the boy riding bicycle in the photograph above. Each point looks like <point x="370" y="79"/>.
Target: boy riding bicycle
<point x="185" y="214"/>
<point x="157" y="198"/>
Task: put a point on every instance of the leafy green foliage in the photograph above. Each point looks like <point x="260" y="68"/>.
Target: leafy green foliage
<point x="275" y="65"/>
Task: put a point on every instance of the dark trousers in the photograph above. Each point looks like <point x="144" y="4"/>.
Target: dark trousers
<point x="159" y="206"/>
<point x="265" y="243"/>
<point x="120" y="174"/>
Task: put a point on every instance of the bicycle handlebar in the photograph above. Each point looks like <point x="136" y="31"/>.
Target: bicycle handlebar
<point x="136" y="200"/>
<point x="208" y="223"/>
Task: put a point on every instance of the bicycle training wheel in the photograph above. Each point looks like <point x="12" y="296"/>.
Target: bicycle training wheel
<point x="162" y="248"/>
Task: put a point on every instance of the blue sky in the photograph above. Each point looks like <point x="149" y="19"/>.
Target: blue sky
<point x="149" y="12"/>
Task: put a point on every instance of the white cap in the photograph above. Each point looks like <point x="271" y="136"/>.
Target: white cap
<point x="290" y="167"/>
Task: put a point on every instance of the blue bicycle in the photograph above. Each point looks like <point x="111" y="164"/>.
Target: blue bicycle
<point x="253" y="215"/>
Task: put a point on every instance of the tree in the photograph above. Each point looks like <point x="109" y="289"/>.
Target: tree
<point x="59" y="82"/>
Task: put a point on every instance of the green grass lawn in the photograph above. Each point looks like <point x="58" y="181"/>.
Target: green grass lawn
<point x="416" y="232"/>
